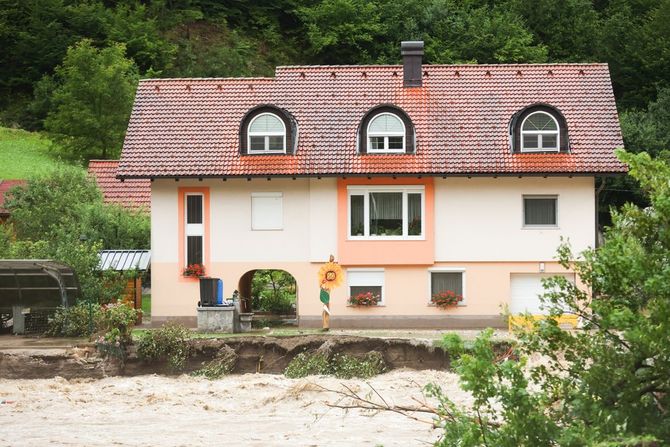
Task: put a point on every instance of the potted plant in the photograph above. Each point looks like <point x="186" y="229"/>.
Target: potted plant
<point x="194" y="270"/>
<point x="364" y="299"/>
<point x="446" y="298"/>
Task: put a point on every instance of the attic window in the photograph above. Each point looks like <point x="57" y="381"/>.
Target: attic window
<point x="266" y="135"/>
<point x="386" y="133"/>
<point x="539" y="128"/>
<point x="540" y="132"/>
<point x="386" y="129"/>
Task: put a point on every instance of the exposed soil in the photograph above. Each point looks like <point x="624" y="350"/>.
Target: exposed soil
<point x="255" y="355"/>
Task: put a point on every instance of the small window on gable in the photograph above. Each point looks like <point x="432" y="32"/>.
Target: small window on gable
<point x="539" y="128"/>
<point x="540" y="211"/>
<point x="540" y="132"/>
<point x="386" y="133"/>
<point x="266" y="134"/>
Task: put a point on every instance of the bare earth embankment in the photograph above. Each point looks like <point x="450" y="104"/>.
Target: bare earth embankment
<point x="238" y="410"/>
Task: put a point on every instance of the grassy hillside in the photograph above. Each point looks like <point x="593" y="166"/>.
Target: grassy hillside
<point x="24" y="153"/>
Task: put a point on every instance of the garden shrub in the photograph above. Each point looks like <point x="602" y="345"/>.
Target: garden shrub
<point x="343" y="366"/>
<point x="307" y="364"/>
<point x="169" y="343"/>
<point x="80" y="320"/>
<point x="119" y="316"/>
<point x="221" y="365"/>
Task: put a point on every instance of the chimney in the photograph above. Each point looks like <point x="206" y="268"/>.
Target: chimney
<point x="412" y="53"/>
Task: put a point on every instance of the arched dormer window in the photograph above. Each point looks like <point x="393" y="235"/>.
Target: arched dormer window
<point x="266" y="134"/>
<point x="539" y="132"/>
<point x="268" y="130"/>
<point x="386" y="133"/>
<point x="386" y="130"/>
<point x="539" y="128"/>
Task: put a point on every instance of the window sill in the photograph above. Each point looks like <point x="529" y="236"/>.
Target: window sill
<point x="386" y="238"/>
<point x="540" y="227"/>
<point x="449" y="307"/>
<point x="366" y="307"/>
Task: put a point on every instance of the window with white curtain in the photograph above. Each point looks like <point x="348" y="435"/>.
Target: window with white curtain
<point x="386" y="212"/>
<point x="266" y="134"/>
<point x="444" y="280"/>
<point x="540" y="211"/>
<point x="386" y="133"/>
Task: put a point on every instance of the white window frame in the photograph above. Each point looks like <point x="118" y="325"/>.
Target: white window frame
<point x="194" y="229"/>
<point x="267" y="136"/>
<point x="539" y="134"/>
<point x="382" y="301"/>
<point x="537" y="226"/>
<point x="266" y="195"/>
<point x="386" y="136"/>
<point x="364" y="190"/>
<point x="460" y="270"/>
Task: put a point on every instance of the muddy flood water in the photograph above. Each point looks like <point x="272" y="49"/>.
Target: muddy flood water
<point x="238" y="410"/>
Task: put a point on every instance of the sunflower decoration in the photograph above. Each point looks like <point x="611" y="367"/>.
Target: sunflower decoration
<point x="330" y="275"/>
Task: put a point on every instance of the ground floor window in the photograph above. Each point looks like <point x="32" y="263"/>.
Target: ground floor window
<point x="446" y="282"/>
<point x="364" y="282"/>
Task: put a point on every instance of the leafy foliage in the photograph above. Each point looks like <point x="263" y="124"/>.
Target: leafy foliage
<point x="91" y="100"/>
<point x="610" y="381"/>
<point x="343" y="366"/>
<point x="170" y="343"/>
<point x="273" y="291"/>
<point x="60" y="215"/>
<point x="80" y="320"/>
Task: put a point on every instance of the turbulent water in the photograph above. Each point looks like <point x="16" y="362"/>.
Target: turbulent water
<point x="244" y="410"/>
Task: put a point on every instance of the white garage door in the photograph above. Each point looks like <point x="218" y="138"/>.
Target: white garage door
<point x="526" y="290"/>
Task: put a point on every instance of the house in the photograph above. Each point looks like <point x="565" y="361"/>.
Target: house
<point x="417" y="178"/>
<point x="5" y="186"/>
<point x="133" y="194"/>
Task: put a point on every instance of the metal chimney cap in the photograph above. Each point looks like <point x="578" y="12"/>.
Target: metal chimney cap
<point x="411" y="48"/>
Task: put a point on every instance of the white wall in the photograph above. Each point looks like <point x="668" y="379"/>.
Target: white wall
<point x="480" y="219"/>
<point x="322" y="219"/>
<point x="164" y="221"/>
<point x="309" y="220"/>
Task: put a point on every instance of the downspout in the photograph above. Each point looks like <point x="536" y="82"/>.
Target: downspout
<point x="599" y="189"/>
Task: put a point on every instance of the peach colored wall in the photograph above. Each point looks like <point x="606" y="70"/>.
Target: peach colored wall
<point x="481" y="219"/>
<point x="407" y="288"/>
<point x="371" y="252"/>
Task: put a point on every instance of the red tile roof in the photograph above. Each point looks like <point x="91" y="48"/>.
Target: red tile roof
<point x="131" y="193"/>
<point x="6" y="185"/>
<point x="190" y="127"/>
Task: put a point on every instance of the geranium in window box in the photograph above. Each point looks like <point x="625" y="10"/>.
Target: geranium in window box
<point x="364" y="299"/>
<point x="446" y="298"/>
<point x="194" y="270"/>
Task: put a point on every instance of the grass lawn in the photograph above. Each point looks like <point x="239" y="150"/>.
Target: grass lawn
<point x="23" y="154"/>
<point x="146" y="305"/>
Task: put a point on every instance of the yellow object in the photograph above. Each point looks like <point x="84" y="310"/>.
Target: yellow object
<point x="330" y="275"/>
<point x="517" y="322"/>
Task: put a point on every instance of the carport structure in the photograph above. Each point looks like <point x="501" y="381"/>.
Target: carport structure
<point x="32" y="289"/>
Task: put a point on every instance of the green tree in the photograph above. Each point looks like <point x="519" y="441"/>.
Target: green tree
<point x="610" y="381"/>
<point x="91" y="102"/>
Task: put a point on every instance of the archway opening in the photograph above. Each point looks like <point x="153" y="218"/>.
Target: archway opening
<point x="271" y="294"/>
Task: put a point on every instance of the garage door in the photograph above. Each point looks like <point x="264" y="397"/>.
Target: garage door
<point x="526" y="290"/>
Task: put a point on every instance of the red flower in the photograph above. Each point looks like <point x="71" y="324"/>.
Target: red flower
<point x="195" y="270"/>
<point x="446" y="298"/>
<point x="364" y="299"/>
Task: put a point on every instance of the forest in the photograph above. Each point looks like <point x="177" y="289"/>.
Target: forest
<point x="69" y="67"/>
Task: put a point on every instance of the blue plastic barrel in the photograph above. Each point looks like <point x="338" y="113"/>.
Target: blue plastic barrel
<point x="219" y="293"/>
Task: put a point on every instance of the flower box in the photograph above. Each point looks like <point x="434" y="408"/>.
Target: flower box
<point x="194" y="271"/>
<point x="446" y="298"/>
<point x="364" y="299"/>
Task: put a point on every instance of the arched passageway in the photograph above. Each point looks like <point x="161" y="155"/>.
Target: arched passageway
<point x="272" y="295"/>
